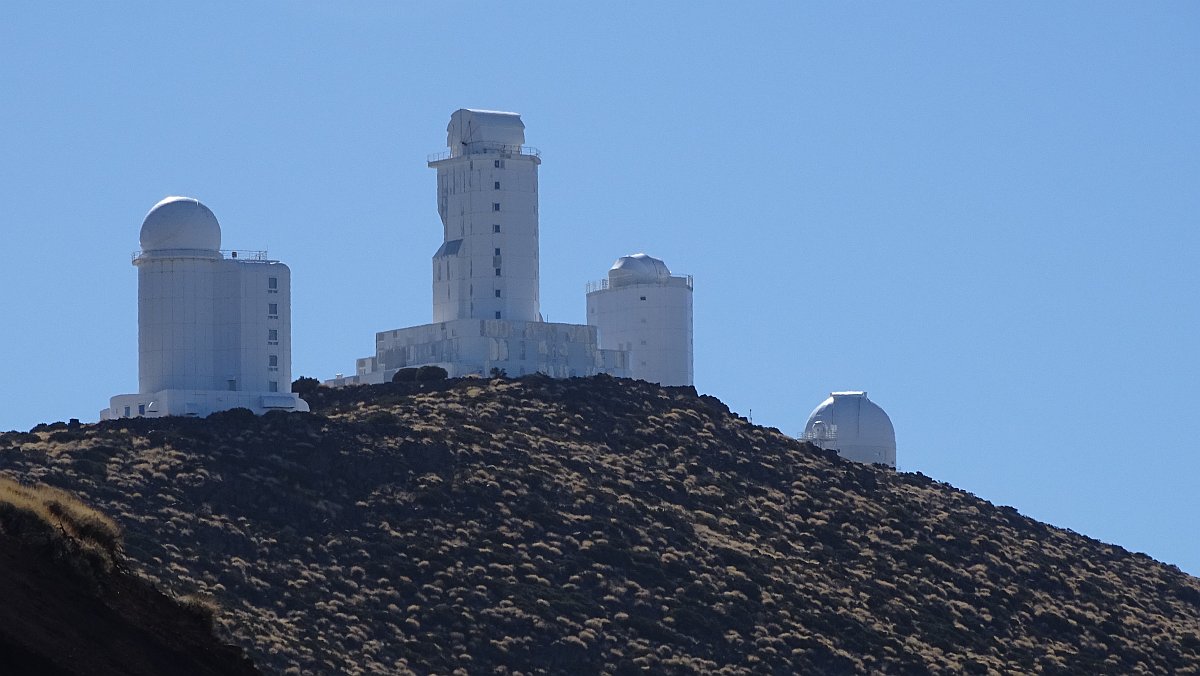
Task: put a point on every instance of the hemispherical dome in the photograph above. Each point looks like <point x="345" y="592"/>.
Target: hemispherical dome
<point x="638" y="269"/>
<point x="854" y="426"/>
<point x="180" y="223"/>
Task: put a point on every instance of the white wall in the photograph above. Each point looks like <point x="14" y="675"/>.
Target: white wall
<point x="176" y="325"/>
<point x="653" y="322"/>
<point x="465" y="283"/>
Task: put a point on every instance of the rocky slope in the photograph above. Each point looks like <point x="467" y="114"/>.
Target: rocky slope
<point x="597" y="525"/>
<point x="67" y="606"/>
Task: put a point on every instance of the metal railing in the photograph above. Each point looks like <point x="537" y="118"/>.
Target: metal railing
<point x="602" y="284"/>
<point x="487" y="148"/>
<point x="232" y="254"/>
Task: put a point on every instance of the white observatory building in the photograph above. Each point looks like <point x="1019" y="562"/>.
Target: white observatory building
<point x="214" y="331"/>
<point x="855" y="427"/>
<point x="486" y="312"/>
<point x="645" y="311"/>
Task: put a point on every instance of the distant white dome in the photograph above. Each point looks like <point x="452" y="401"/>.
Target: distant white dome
<point x="855" y="427"/>
<point x="180" y="223"/>
<point x="637" y="269"/>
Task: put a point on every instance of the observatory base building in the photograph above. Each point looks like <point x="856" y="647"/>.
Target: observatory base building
<point x="214" y="331"/>
<point x="486" y="313"/>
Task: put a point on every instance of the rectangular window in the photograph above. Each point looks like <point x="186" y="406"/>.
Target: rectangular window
<point x="496" y="228"/>
<point x="497" y="314"/>
<point x="497" y="272"/>
<point x="496" y="186"/>
<point x="497" y="251"/>
<point x="272" y="283"/>
<point x="232" y="385"/>
<point x="643" y="298"/>
<point x="499" y="164"/>
<point x="141" y="409"/>
<point x="273" y="309"/>
<point x="126" y="411"/>
<point x="273" y="386"/>
<point x="273" y="334"/>
<point x="497" y="293"/>
<point x="273" y="360"/>
<point x="495" y="206"/>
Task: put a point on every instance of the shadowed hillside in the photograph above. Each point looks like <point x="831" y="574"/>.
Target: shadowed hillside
<point x="597" y="524"/>
<point x="67" y="607"/>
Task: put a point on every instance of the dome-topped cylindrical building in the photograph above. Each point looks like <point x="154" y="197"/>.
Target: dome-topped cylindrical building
<point x="177" y="271"/>
<point x="214" y="333"/>
<point x="646" y="312"/>
<point x="854" y="426"/>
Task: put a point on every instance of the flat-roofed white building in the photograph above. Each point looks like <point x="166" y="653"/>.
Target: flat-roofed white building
<point x="214" y="327"/>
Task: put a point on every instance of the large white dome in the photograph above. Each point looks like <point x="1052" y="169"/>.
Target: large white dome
<point x="637" y="269"/>
<point x="854" y="426"/>
<point x="180" y="223"/>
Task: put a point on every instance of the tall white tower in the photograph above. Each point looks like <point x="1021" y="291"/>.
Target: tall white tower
<point x="487" y="188"/>
<point x="854" y="426"/>
<point x="646" y="311"/>
<point x="214" y="333"/>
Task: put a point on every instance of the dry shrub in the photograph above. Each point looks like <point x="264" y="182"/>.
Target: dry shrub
<point x="48" y="517"/>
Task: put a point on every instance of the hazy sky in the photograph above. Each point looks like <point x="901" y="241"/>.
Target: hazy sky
<point x="984" y="214"/>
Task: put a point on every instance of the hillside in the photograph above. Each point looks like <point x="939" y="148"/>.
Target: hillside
<point x="67" y="607"/>
<point x="597" y="524"/>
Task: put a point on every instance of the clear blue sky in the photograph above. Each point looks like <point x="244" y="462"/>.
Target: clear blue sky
<point x="984" y="214"/>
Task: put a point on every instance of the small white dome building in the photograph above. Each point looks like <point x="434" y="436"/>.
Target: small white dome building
<point x="181" y="223"/>
<point x="854" y="426"/>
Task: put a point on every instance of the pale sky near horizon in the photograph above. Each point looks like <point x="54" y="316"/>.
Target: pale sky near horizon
<point x="984" y="214"/>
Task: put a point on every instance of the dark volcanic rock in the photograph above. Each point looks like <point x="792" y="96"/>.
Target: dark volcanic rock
<point x="598" y="524"/>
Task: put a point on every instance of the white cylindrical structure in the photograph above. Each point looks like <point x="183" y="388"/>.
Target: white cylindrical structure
<point x="487" y="266"/>
<point x="177" y="269"/>
<point x="854" y="426"/>
<point x="646" y="311"/>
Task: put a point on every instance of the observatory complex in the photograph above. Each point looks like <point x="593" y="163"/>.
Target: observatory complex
<point x="486" y="313"/>
<point x="214" y="330"/>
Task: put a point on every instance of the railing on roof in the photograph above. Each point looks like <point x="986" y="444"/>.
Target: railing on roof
<point x="487" y="148"/>
<point x="233" y="254"/>
<point x="602" y="284"/>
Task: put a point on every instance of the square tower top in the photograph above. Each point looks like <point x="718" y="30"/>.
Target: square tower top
<point x="468" y="127"/>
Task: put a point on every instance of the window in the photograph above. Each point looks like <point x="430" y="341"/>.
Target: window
<point x="272" y="283"/>
<point x="643" y="298"/>
<point x="273" y="360"/>
<point x="232" y="385"/>
<point x="497" y="186"/>
<point x="497" y="272"/>
<point x="141" y="409"/>
<point x="495" y="206"/>
<point x="496" y="227"/>
<point x="273" y="309"/>
<point x="499" y="164"/>
<point x="497" y="314"/>
<point x="497" y="251"/>
<point x="126" y="411"/>
<point x="273" y="335"/>
<point x="273" y="386"/>
<point x="497" y="293"/>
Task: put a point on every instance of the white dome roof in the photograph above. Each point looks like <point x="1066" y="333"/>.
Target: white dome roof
<point x="180" y="223"/>
<point x="638" y="269"/>
<point x="855" y="427"/>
